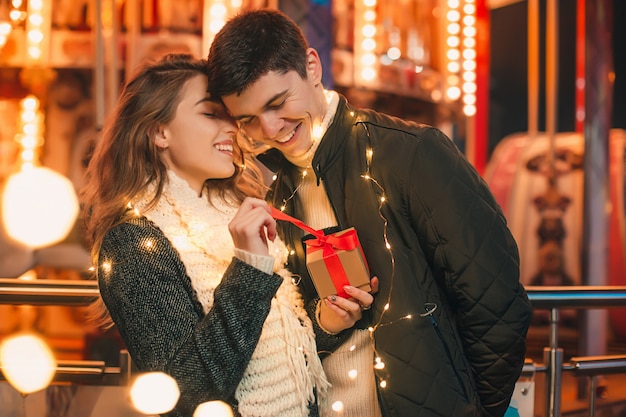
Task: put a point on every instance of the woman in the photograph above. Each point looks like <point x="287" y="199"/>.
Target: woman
<point x="165" y="186"/>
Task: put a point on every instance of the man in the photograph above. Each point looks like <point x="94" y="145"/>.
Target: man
<point x="449" y="320"/>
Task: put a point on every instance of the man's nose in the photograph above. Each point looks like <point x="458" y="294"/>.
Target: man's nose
<point x="271" y="125"/>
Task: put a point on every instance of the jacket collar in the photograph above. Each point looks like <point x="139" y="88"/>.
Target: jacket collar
<point x="336" y="137"/>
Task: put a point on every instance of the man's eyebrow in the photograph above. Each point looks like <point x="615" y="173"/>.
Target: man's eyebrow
<point x="265" y="106"/>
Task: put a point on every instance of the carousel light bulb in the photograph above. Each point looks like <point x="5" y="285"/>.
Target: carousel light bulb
<point x="39" y="207"/>
<point x="352" y="374"/>
<point x="383" y="384"/>
<point x="27" y="363"/>
<point x="213" y="409"/>
<point x="154" y="393"/>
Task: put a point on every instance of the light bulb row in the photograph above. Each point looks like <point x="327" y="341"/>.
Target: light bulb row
<point x="461" y="54"/>
<point x="365" y="40"/>
<point x="30" y="131"/>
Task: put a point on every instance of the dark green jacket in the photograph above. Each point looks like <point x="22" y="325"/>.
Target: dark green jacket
<point x="453" y="265"/>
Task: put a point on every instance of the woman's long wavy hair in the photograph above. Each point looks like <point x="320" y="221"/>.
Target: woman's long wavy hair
<point x="126" y="160"/>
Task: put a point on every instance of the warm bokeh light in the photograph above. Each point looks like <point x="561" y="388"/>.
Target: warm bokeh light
<point x="337" y="406"/>
<point x="27" y="363"/>
<point x="364" y="41"/>
<point x="39" y="207"/>
<point x="461" y="63"/>
<point x="213" y="409"/>
<point x="154" y="393"/>
<point x="5" y="31"/>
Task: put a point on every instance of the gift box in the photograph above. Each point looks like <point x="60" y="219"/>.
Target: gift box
<point x="333" y="260"/>
<point x="337" y="260"/>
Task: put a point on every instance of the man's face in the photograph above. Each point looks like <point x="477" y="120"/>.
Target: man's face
<point x="280" y="110"/>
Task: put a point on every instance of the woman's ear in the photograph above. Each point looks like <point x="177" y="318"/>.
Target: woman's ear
<point x="160" y="138"/>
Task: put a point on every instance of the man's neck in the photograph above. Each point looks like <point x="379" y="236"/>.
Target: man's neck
<point x="304" y="160"/>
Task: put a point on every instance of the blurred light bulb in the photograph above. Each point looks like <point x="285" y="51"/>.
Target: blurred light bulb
<point x="39" y="207"/>
<point x="213" y="409"/>
<point x="27" y="363"/>
<point x="154" y="393"/>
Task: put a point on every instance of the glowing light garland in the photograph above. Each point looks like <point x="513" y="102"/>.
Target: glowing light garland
<point x="367" y="176"/>
<point x="378" y="363"/>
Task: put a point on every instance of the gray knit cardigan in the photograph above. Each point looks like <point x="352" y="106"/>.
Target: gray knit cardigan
<point x="153" y="305"/>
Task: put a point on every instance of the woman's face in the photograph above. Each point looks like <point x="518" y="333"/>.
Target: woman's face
<point x="198" y="143"/>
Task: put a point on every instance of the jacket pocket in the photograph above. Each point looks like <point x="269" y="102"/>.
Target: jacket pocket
<point x="429" y="313"/>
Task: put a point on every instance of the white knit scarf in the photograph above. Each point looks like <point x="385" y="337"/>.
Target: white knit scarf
<point x="284" y="367"/>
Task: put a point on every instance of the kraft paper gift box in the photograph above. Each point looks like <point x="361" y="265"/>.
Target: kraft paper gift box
<point x="337" y="260"/>
<point x="333" y="260"/>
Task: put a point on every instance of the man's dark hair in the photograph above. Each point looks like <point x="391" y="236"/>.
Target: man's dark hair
<point x="252" y="44"/>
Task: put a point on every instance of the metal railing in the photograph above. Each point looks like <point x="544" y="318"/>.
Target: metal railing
<point x="90" y="372"/>
<point x="47" y="292"/>
<point x="573" y="297"/>
<point x="82" y="293"/>
<point x="66" y="293"/>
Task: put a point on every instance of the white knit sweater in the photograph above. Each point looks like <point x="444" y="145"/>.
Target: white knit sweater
<point x="284" y="367"/>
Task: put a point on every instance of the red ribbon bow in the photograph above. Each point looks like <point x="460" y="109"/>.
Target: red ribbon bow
<point x="328" y="244"/>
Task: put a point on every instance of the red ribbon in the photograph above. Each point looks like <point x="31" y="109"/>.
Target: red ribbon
<point x="328" y="244"/>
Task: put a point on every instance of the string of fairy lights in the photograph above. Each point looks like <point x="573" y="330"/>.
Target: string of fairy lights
<point x="460" y="81"/>
<point x="378" y="363"/>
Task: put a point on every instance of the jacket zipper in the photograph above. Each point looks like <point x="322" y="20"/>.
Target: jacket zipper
<point x="435" y="325"/>
<point x="320" y="178"/>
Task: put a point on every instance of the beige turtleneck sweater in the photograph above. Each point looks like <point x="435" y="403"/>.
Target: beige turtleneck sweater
<point x="356" y="395"/>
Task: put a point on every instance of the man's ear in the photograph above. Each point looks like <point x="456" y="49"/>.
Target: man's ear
<point x="313" y="66"/>
<point x="160" y="138"/>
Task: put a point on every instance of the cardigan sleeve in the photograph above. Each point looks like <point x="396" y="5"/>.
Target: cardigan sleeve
<point x="149" y="296"/>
